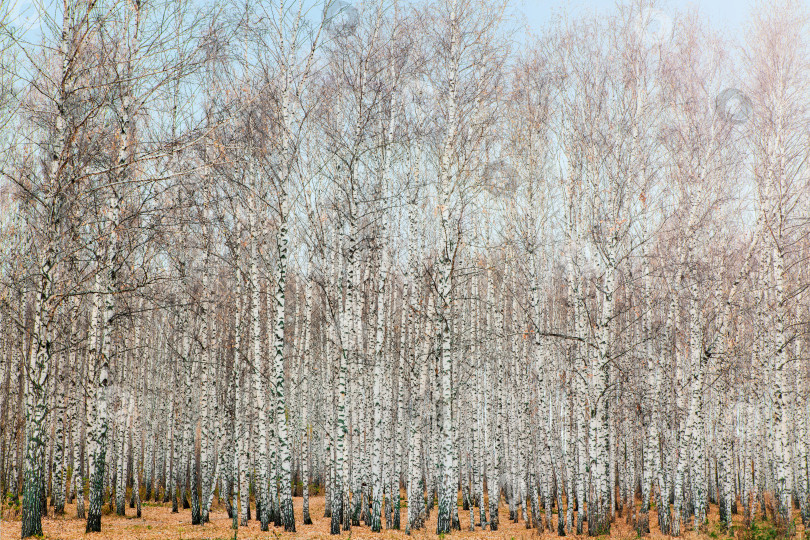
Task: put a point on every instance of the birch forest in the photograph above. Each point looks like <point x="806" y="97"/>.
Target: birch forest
<point x="329" y="268"/>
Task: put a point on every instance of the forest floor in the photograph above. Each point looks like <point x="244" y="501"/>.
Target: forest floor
<point x="157" y="522"/>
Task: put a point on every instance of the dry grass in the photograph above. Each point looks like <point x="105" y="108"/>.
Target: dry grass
<point x="158" y="523"/>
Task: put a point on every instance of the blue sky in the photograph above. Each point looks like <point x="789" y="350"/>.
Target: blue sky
<point x="723" y="14"/>
<point x="729" y="16"/>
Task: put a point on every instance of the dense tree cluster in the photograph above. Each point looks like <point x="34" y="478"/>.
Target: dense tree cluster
<point x="406" y="253"/>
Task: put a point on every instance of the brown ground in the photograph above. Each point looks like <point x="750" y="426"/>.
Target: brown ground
<point x="158" y="523"/>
